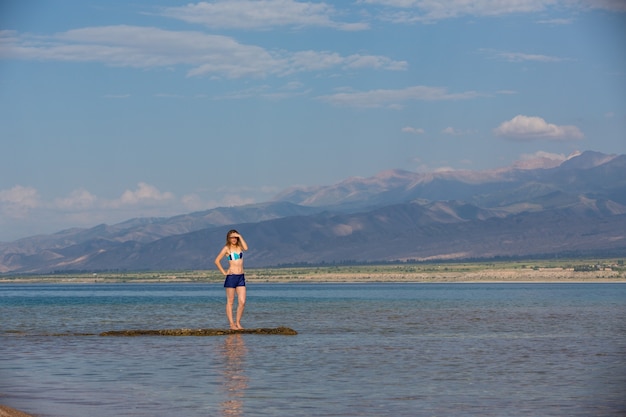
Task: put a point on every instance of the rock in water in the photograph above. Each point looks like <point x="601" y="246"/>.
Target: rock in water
<point x="286" y="331"/>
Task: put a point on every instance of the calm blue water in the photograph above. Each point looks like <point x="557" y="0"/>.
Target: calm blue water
<point x="362" y="350"/>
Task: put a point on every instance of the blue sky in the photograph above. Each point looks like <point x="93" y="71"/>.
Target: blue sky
<point x="111" y="110"/>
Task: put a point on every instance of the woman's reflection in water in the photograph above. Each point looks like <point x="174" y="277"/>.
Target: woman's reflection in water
<point x="235" y="380"/>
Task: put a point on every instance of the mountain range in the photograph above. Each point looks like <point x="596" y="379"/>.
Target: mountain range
<point x="577" y="208"/>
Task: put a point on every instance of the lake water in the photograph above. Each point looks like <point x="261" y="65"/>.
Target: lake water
<point x="362" y="350"/>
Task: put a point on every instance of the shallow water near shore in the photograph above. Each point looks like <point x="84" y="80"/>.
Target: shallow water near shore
<point x="362" y="350"/>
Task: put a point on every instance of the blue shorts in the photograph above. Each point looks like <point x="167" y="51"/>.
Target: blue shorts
<point x="235" y="280"/>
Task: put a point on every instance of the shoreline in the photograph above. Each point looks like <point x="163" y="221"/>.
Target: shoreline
<point x="348" y="275"/>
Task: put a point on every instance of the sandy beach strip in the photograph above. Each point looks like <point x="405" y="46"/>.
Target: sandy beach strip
<point x="348" y="275"/>
<point x="488" y="275"/>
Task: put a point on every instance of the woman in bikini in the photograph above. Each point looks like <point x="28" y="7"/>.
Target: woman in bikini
<point x="235" y="282"/>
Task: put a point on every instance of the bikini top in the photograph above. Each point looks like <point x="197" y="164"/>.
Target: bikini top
<point x="235" y="256"/>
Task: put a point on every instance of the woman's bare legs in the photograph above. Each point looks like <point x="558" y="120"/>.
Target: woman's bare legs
<point x="230" y="298"/>
<point x="241" y="305"/>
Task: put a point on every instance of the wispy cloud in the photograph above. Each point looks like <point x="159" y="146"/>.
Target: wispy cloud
<point x="317" y="61"/>
<point x="23" y="208"/>
<point x="531" y="128"/>
<point x="539" y="159"/>
<point x="452" y="131"/>
<point x="395" y="98"/>
<point x="427" y="10"/>
<point x="263" y="14"/>
<point x="522" y="57"/>
<point x="117" y="96"/>
<point x="556" y="22"/>
<point x="610" y="5"/>
<point x="412" y="11"/>
<point x="19" y="201"/>
<point x="201" y="53"/>
<point x="413" y="130"/>
<point x="168" y="95"/>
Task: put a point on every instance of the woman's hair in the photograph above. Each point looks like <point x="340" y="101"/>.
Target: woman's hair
<point x="230" y="232"/>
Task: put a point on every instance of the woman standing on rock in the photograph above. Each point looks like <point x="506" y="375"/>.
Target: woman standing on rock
<point x="235" y="282"/>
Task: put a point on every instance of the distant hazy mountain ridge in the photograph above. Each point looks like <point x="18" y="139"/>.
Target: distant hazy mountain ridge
<point x="575" y="208"/>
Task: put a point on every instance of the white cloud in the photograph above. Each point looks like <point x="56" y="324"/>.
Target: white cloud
<point x="263" y="14"/>
<point x="395" y="98"/>
<point x="18" y="201"/>
<point x="203" y="54"/>
<point x="451" y="131"/>
<point x="234" y="200"/>
<point x="144" y="194"/>
<point x="77" y="200"/>
<point x="444" y="169"/>
<point x="24" y="213"/>
<point x="413" y="130"/>
<point x="529" y="128"/>
<point x="193" y="202"/>
<point x="457" y="132"/>
<point x="539" y="159"/>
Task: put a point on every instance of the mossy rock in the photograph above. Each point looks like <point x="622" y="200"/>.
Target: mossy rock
<point x="286" y="331"/>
